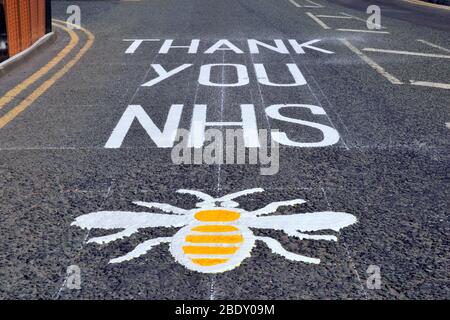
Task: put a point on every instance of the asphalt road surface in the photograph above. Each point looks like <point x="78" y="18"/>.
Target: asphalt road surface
<point x="363" y="120"/>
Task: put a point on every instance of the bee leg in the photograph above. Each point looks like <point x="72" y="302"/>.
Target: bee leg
<point x="113" y="237"/>
<point x="301" y="236"/>
<point x="141" y="249"/>
<point x="276" y="247"/>
<point x="273" y="207"/>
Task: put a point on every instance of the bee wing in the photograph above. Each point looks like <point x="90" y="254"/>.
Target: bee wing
<point x="304" y="222"/>
<point x="128" y="220"/>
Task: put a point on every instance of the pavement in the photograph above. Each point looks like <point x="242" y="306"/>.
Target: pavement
<point x="384" y="93"/>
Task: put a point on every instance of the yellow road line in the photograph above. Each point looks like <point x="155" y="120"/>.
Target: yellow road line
<point x="8" y="117"/>
<point x="13" y="93"/>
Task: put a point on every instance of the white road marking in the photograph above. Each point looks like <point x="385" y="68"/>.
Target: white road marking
<point x="354" y="17"/>
<point x="371" y="63"/>
<point x="314" y="5"/>
<point x="434" y="45"/>
<point x="431" y="84"/>
<point x="447" y="125"/>
<point x="295" y="3"/>
<point x="408" y="53"/>
<point x="333" y="17"/>
<point x="319" y="22"/>
<point x="366" y="31"/>
<point x="136" y="43"/>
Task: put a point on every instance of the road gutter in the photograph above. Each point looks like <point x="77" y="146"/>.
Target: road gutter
<point x="23" y="56"/>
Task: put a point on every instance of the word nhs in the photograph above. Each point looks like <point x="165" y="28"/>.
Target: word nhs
<point x="165" y="137"/>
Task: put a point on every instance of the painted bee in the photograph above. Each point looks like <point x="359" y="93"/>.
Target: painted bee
<point x="216" y="236"/>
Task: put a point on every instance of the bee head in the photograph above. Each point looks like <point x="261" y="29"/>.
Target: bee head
<point x="217" y="203"/>
<point x="221" y="202"/>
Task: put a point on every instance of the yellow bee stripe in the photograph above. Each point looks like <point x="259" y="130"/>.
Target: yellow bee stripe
<point x="215" y="228"/>
<point x="214" y="239"/>
<point x="217" y="215"/>
<point x="209" y="250"/>
<point x="209" y="262"/>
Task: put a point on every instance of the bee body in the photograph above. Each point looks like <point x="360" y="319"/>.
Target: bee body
<point x="215" y="236"/>
<point x="214" y="242"/>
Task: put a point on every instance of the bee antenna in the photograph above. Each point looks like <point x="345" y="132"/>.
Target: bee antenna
<point x="198" y="194"/>
<point x="240" y="194"/>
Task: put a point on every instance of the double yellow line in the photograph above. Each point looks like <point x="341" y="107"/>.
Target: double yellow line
<point x="26" y="102"/>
